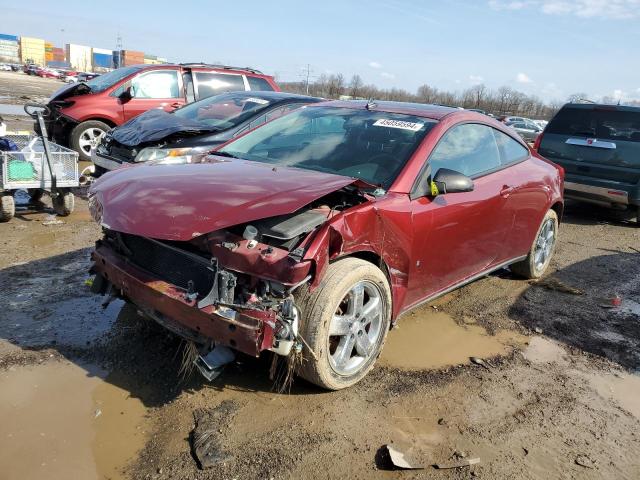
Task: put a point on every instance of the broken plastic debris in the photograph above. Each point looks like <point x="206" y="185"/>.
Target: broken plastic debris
<point x="212" y="364"/>
<point x="399" y="460"/>
<point x="465" y="462"/>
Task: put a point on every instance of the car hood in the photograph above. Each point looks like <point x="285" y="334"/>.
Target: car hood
<point x="156" y="125"/>
<point x="70" y="90"/>
<point x="180" y="202"/>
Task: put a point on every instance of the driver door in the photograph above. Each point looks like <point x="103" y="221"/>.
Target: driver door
<point x="457" y="235"/>
<point x="154" y="89"/>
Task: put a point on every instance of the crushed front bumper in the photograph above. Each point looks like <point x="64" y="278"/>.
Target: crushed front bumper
<point x="246" y="330"/>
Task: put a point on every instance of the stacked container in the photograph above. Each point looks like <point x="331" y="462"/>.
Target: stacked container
<point x="131" y="57"/>
<point x="79" y="56"/>
<point x="9" y="48"/>
<point x="32" y="50"/>
<point x="153" y="60"/>
<point x="48" y="52"/>
<point x="102" y="59"/>
<point x="58" y="54"/>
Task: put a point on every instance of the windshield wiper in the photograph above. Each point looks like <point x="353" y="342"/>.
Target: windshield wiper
<point x="226" y="154"/>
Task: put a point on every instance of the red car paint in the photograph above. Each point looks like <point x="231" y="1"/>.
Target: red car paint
<point x="107" y="107"/>
<point x="426" y="245"/>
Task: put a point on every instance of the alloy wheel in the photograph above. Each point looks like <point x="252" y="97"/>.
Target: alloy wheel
<point x="90" y="138"/>
<point x="355" y="328"/>
<point x="544" y="244"/>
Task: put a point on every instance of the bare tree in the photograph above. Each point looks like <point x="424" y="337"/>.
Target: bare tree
<point x="355" y="86"/>
<point x="576" y="97"/>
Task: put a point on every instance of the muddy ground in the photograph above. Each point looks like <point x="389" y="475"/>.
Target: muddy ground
<point x="87" y="392"/>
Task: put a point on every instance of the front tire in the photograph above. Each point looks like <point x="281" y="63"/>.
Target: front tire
<point x="344" y="321"/>
<point x="542" y="249"/>
<point x="86" y="136"/>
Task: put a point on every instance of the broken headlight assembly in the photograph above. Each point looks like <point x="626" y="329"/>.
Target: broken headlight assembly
<point x="168" y="156"/>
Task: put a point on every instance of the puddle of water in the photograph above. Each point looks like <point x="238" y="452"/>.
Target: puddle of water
<point x="74" y="322"/>
<point x="623" y="388"/>
<point x="543" y="350"/>
<point x="8" y="109"/>
<point x="429" y="340"/>
<point x="51" y="427"/>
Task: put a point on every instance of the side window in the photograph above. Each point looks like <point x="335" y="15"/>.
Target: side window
<point x="511" y="151"/>
<point x="258" y="121"/>
<point x="156" y="84"/>
<point x="257" y="83"/>
<point x="210" y="83"/>
<point x="470" y="149"/>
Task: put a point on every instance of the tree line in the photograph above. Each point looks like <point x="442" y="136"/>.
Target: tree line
<point x="502" y="101"/>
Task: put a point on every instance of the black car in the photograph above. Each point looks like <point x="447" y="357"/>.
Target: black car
<point x="174" y="137"/>
<point x="599" y="148"/>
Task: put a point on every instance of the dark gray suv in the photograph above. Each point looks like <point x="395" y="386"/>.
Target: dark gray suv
<point x="599" y="148"/>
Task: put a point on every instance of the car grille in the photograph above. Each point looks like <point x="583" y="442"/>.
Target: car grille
<point x="121" y="153"/>
<point x="169" y="263"/>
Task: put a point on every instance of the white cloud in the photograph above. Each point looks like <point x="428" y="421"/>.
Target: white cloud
<point x="475" y="79"/>
<point x="523" y="78"/>
<point x="387" y="75"/>
<point x="375" y="65"/>
<point x="610" y="9"/>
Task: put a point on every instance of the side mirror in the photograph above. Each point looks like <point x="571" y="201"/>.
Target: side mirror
<point x="450" y="181"/>
<point x="127" y="94"/>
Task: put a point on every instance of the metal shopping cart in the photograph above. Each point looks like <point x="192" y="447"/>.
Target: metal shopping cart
<point x="38" y="166"/>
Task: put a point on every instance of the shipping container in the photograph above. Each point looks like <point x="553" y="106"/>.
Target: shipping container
<point x="102" y="58"/>
<point x="32" y="50"/>
<point x="58" y="64"/>
<point x="12" y="38"/>
<point x="79" y="56"/>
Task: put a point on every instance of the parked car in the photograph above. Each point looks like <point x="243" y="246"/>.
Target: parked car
<point x="82" y="112"/>
<point x="30" y="69"/>
<point x="541" y="123"/>
<point x="316" y="231"/>
<point x="47" y="73"/>
<point x="528" y="130"/>
<point x="196" y="128"/>
<point x="599" y="148"/>
<point x="5" y="68"/>
<point x="80" y="77"/>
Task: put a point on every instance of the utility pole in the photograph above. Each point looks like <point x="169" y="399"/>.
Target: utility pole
<point x="308" y="74"/>
<point x="119" y="50"/>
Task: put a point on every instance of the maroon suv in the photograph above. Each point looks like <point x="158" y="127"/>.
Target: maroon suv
<point x="316" y="231"/>
<point x="82" y="112"/>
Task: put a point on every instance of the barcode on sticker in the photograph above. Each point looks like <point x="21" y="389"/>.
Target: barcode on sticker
<point x="385" y="122"/>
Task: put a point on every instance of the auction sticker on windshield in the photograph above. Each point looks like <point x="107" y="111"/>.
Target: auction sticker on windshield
<point x="385" y="122"/>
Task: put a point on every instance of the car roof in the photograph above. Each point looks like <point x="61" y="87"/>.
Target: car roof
<point x="602" y="106"/>
<point x="425" y="110"/>
<point x="275" y="97"/>
<point x="203" y="66"/>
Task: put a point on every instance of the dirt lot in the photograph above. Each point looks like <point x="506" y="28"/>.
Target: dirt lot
<point x="87" y="392"/>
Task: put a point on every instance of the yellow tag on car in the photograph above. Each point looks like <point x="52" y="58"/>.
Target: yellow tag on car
<point x="434" y="189"/>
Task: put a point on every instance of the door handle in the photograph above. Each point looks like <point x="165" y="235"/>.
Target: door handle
<point x="175" y="105"/>
<point x="506" y="190"/>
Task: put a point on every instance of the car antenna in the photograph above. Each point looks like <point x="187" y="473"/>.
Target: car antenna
<point x="370" y="104"/>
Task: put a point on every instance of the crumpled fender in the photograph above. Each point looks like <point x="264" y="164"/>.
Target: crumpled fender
<point x="367" y="229"/>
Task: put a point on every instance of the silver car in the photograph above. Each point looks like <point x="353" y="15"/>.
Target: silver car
<point x="528" y="130"/>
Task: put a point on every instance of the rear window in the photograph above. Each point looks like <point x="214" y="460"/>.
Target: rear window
<point x="597" y="123"/>
<point x="257" y="83"/>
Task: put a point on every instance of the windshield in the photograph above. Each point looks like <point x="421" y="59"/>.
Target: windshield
<point x="107" y="80"/>
<point x="223" y="111"/>
<point x="372" y="146"/>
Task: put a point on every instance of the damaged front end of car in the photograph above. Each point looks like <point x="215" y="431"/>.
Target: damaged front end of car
<point x="233" y="287"/>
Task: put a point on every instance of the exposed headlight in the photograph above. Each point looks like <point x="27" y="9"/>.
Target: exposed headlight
<point x="95" y="208"/>
<point x="167" y="156"/>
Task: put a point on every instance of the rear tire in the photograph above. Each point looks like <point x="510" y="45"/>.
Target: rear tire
<point x="542" y="249"/>
<point x="344" y="321"/>
<point x="7" y="207"/>
<point x="64" y="203"/>
<point x="86" y="136"/>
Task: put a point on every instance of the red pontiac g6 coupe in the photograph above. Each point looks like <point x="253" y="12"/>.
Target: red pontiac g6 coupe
<point x="315" y="232"/>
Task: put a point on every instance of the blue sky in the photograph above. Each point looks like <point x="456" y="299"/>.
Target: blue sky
<point x="551" y="48"/>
